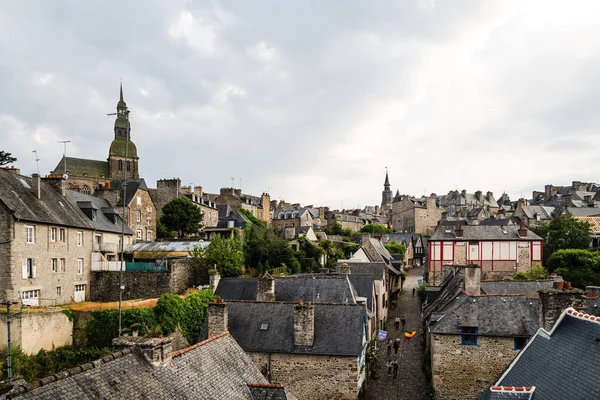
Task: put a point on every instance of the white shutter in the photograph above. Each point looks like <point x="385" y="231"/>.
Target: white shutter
<point x="33" y="271"/>
<point x="24" y="269"/>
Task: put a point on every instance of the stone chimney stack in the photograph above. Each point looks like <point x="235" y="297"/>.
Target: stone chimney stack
<point x="58" y="182"/>
<point x="12" y="170"/>
<point x="217" y="318"/>
<point x="36" y="185"/>
<point x="592" y="292"/>
<point x="555" y="300"/>
<point x="472" y="280"/>
<point x="345" y="269"/>
<point x="304" y="324"/>
<point x="522" y="229"/>
<point x="156" y="350"/>
<point x="458" y="232"/>
<point x="266" y="288"/>
<point x="213" y="278"/>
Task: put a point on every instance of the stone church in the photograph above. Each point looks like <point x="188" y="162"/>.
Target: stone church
<point x="122" y="164"/>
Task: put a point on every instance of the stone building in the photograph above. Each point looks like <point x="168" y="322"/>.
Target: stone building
<point x="47" y="241"/>
<point x="315" y="350"/>
<point x="500" y="250"/>
<point x="287" y="216"/>
<point x="416" y="215"/>
<point x="122" y="163"/>
<point x="259" y="207"/>
<point x="216" y="368"/>
<point x="413" y="242"/>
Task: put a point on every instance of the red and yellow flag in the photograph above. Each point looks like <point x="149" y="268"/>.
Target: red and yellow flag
<point x="409" y="335"/>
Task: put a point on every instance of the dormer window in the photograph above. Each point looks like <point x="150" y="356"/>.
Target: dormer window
<point x="469" y="335"/>
<point x="264" y="326"/>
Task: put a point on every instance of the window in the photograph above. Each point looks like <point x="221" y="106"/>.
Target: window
<point x="128" y="165"/>
<point x="139" y="234"/>
<point x="79" y="266"/>
<point x="148" y="236"/>
<point x="94" y="214"/>
<point x="148" y="221"/>
<point x="53" y="234"/>
<point x="120" y="163"/>
<point x="139" y="200"/>
<point x="86" y="189"/>
<point x="264" y="326"/>
<point x="138" y="215"/>
<point x="28" y="268"/>
<point x="30" y="231"/>
<point x="79" y="239"/>
<point x="469" y="336"/>
<point x="30" y="297"/>
<point x="61" y="235"/>
<point x="54" y="265"/>
<point x="520" y="342"/>
<point x="58" y="291"/>
<point x="62" y="266"/>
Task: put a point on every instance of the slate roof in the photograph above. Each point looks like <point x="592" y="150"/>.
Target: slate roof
<point x="315" y="288"/>
<point x="528" y="288"/>
<point x="398" y="238"/>
<point x="364" y="287"/>
<point x="375" y="269"/>
<point x="562" y="364"/>
<point x="544" y="212"/>
<point x="104" y="214"/>
<point x="338" y="328"/>
<point x="52" y="208"/>
<point x="494" y="221"/>
<point x="132" y="188"/>
<point x="448" y="290"/>
<point x="215" y="369"/>
<point x="237" y="288"/>
<point x="493" y="315"/>
<point x="171" y="246"/>
<point x="483" y="232"/>
<point x="583" y="211"/>
<point x="81" y="166"/>
<point x="267" y="392"/>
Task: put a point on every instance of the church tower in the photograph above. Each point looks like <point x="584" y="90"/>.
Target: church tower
<point x="386" y="195"/>
<point x="122" y="156"/>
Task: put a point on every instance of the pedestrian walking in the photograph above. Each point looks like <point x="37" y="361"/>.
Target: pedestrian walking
<point x="414" y="290"/>
<point x="403" y="321"/>
<point x="395" y="366"/>
<point x="396" y="346"/>
<point x="397" y="323"/>
<point x="388" y="364"/>
<point x="389" y="346"/>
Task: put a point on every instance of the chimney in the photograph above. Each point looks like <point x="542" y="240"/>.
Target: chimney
<point x="458" y="232"/>
<point x="13" y="170"/>
<point x="304" y="324"/>
<point x="36" y="185"/>
<point x="58" y="182"/>
<point x="213" y="278"/>
<point x="479" y="197"/>
<point x="472" y="279"/>
<point x="345" y="269"/>
<point x="156" y="350"/>
<point x="592" y="292"/>
<point x="522" y="229"/>
<point x="217" y="317"/>
<point x="266" y="288"/>
<point x="555" y="300"/>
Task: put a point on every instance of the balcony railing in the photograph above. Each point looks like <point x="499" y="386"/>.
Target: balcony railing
<point x="108" y="265"/>
<point x="105" y="247"/>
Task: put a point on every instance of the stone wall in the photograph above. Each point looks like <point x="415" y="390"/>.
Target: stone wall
<point x="6" y="259"/>
<point x="33" y="331"/>
<point x="105" y="284"/>
<point x="312" y="377"/>
<point x="461" y="372"/>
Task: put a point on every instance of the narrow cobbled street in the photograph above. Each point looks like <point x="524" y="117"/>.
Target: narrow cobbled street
<point x="410" y="383"/>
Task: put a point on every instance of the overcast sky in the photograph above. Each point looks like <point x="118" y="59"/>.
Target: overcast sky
<point x="311" y="100"/>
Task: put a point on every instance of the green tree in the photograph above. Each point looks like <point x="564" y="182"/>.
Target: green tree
<point x="333" y="229"/>
<point x="374" y="228"/>
<point x="333" y="252"/>
<point x="535" y="273"/>
<point x="396" y="248"/>
<point x="580" y="267"/>
<point x="564" y="232"/>
<point x="226" y="254"/>
<point x="182" y="216"/>
<point x="162" y="232"/>
<point x="5" y="158"/>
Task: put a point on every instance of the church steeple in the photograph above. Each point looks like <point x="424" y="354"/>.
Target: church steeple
<point x="122" y="155"/>
<point x="122" y="126"/>
<point x="387" y="180"/>
<point x="386" y="195"/>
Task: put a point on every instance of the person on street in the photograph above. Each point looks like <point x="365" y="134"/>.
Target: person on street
<point x="395" y="366"/>
<point x="396" y="346"/>
<point x="403" y="321"/>
<point x="389" y="346"/>
<point x="397" y="323"/>
<point x="388" y="364"/>
<point x="414" y="290"/>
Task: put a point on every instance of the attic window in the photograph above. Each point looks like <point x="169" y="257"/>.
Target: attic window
<point x="447" y="231"/>
<point x="469" y="335"/>
<point x="264" y="326"/>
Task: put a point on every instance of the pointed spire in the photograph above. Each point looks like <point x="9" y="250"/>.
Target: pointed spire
<point x="387" y="180"/>
<point x="121" y="96"/>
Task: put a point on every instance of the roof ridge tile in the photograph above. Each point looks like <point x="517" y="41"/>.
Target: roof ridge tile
<point x="181" y="352"/>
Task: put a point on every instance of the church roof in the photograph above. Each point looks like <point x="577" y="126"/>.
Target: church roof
<point x="117" y="148"/>
<point x="82" y="167"/>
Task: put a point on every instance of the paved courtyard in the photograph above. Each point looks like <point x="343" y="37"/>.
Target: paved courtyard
<point x="410" y="383"/>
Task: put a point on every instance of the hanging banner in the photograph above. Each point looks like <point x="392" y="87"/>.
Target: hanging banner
<point x="382" y="335"/>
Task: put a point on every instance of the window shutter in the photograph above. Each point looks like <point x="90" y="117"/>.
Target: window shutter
<point x="24" y="269"/>
<point x="33" y="271"/>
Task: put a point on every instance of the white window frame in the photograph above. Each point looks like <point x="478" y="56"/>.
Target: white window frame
<point x="139" y="200"/>
<point x="79" y="238"/>
<point x="62" y="265"/>
<point x="80" y="266"/>
<point x="54" y="264"/>
<point x="61" y="235"/>
<point x="31" y="297"/>
<point x="30" y="234"/>
<point x="139" y="234"/>
<point x="28" y="268"/>
<point x="53" y="234"/>
<point x="138" y="216"/>
<point x="148" y="236"/>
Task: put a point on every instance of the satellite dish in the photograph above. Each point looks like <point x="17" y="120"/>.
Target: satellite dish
<point x="65" y="176"/>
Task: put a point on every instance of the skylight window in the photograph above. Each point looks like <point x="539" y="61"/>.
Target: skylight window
<point x="264" y="326"/>
<point x="25" y="183"/>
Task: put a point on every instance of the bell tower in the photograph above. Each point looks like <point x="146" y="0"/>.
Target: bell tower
<point x="122" y="156"/>
<point x="386" y="195"/>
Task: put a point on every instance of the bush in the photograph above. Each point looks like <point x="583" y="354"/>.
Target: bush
<point x="422" y="292"/>
<point x="535" y="273"/>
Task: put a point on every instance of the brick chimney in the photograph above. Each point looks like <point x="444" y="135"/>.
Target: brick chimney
<point x="36" y="185"/>
<point x="304" y="324"/>
<point x="555" y="300"/>
<point x="217" y="317"/>
<point x="266" y="288"/>
<point x="156" y="350"/>
<point x="458" y="232"/>
<point x="523" y="229"/>
<point x="345" y="269"/>
<point x="213" y="278"/>
<point x="57" y="182"/>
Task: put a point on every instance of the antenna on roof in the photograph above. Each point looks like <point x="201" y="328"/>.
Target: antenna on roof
<point x="37" y="161"/>
<point x="65" y="154"/>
